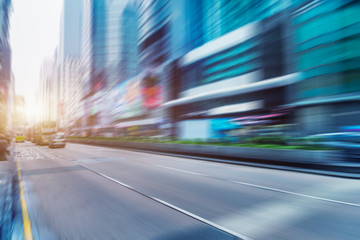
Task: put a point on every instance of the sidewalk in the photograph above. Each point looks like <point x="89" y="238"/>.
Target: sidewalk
<point x="5" y="199"/>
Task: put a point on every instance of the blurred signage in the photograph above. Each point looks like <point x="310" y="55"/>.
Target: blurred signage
<point x="152" y="97"/>
<point x="152" y="92"/>
<point x="127" y="99"/>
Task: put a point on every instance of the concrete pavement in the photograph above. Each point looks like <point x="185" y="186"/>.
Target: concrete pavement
<point x="10" y="212"/>
<point x="5" y="196"/>
<point x="93" y="192"/>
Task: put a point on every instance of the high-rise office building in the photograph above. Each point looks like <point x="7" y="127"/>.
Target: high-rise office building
<point x="69" y="73"/>
<point x="121" y="55"/>
<point x="159" y="41"/>
<point x="70" y="30"/>
<point x="46" y="89"/>
<point x="238" y="64"/>
<point x="6" y="78"/>
<point x="93" y="59"/>
<point x="109" y="53"/>
<point x="98" y="43"/>
<point x="161" y="27"/>
<point x="326" y="42"/>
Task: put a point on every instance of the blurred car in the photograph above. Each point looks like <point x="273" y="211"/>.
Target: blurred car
<point x="57" y="140"/>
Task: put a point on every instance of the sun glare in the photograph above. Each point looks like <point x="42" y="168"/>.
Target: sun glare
<point x="32" y="111"/>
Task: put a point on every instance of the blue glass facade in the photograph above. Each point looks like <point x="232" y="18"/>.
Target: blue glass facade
<point x="265" y="51"/>
<point x="153" y="28"/>
<point x="98" y="41"/>
<point x="129" y="53"/>
<point x="210" y="19"/>
<point x="328" y="54"/>
<point x="121" y="46"/>
<point x="327" y="43"/>
<point x="238" y="60"/>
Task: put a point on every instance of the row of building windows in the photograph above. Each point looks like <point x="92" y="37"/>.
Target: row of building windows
<point x="328" y="53"/>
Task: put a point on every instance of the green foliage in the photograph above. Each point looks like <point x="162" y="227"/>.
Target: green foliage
<point x="279" y="140"/>
<point x="274" y="142"/>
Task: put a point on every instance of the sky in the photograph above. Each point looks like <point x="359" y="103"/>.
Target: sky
<point x="34" y="36"/>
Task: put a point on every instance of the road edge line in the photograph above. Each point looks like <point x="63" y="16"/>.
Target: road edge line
<point x="25" y="215"/>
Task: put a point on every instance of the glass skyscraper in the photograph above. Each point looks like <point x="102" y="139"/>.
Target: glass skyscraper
<point x="98" y="42"/>
<point x="237" y="61"/>
<point x="153" y="28"/>
<point x="121" y="55"/>
<point x="6" y="77"/>
<point x="327" y="46"/>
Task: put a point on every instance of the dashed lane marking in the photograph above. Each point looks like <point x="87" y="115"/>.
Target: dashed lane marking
<point x="268" y="188"/>
<point x="185" y="171"/>
<point x="297" y="194"/>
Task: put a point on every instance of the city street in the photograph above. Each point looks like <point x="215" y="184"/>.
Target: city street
<point x="89" y="192"/>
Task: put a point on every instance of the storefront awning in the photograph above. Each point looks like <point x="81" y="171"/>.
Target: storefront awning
<point x="232" y="91"/>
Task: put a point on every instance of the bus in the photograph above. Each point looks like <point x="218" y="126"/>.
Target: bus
<point x="43" y="131"/>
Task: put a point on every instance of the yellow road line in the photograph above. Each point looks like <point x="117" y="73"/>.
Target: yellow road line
<point x="25" y="214"/>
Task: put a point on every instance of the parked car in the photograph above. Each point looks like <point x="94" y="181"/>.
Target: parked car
<point x="57" y="140"/>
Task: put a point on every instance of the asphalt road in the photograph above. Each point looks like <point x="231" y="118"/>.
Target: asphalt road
<point x="88" y="192"/>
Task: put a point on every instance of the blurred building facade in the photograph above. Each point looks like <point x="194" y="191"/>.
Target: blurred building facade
<point x="159" y="45"/>
<point x="238" y="65"/>
<point x="67" y="69"/>
<point x="63" y="75"/>
<point x="47" y="85"/>
<point x="269" y="62"/>
<point x="6" y="77"/>
<point x="121" y="55"/>
<point x="70" y="30"/>
<point x="326" y="42"/>
<point x="196" y="65"/>
<point x="109" y="55"/>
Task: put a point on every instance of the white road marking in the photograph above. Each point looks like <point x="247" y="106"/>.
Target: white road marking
<point x="297" y="194"/>
<point x="180" y="170"/>
<point x="263" y="219"/>
<point x="105" y="176"/>
<point x="239" y="235"/>
<point x="201" y="219"/>
<point x="269" y="188"/>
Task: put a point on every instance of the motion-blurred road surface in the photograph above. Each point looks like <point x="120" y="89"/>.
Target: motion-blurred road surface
<point x="88" y="192"/>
